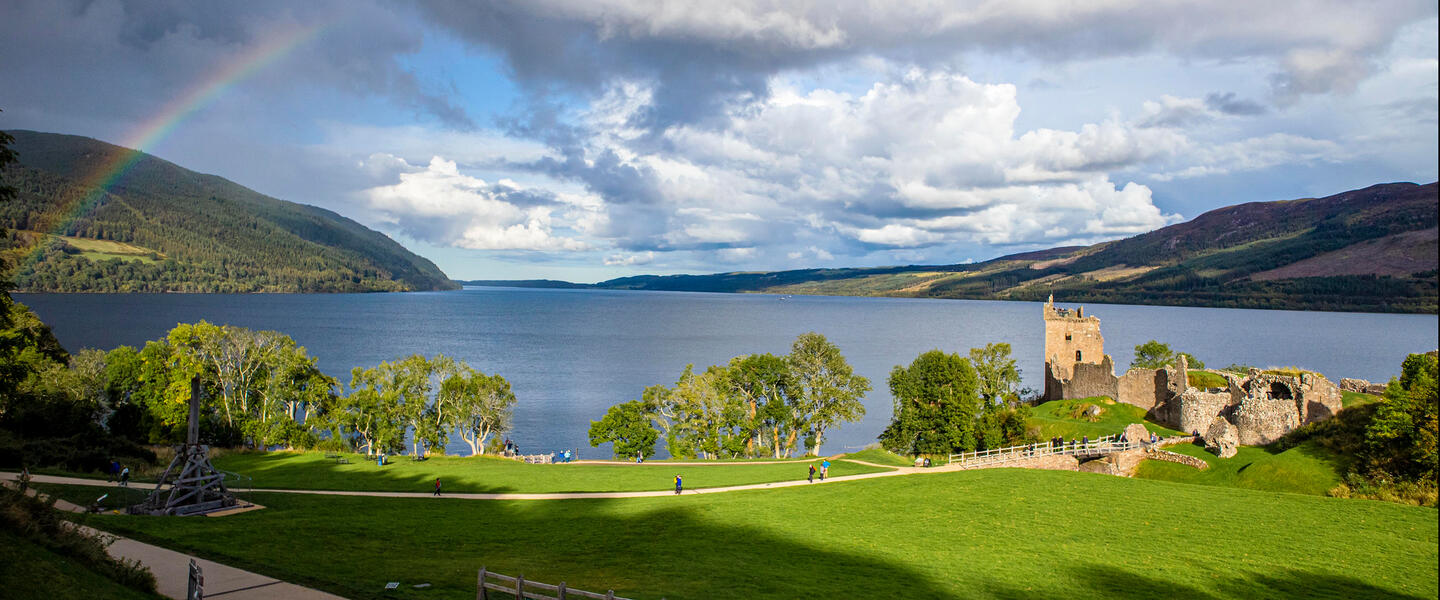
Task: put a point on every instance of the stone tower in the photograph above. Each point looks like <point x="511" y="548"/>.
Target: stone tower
<point x="1070" y="338"/>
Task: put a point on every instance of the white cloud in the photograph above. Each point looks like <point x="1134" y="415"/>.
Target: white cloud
<point x="442" y="206"/>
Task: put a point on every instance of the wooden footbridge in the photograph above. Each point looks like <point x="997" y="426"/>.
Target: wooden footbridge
<point x="1095" y="448"/>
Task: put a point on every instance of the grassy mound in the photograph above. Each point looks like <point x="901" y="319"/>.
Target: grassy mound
<point x="311" y="470"/>
<point x="881" y="456"/>
<point x="1002" y="533"/>
<point x="1205" y="380"/>
<point x="1308" y="468"/>
<point x="34" y="572"/>
<point x="1067" y="419"/>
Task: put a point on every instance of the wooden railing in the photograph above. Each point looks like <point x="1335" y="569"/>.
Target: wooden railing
<point x="1095" y="447"/>
<point x="519" y="588"/>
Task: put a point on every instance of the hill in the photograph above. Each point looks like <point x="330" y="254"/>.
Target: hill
<point x="1372" y="249"/>
<point x="164" y="228"/>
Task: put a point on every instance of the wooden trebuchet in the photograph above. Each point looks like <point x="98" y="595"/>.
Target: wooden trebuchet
<point x="197" y="488"/>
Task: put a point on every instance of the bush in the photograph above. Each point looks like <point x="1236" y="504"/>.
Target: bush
<point x="38" y="521"/>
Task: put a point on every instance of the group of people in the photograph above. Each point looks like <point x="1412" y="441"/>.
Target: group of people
<point x="118" y="473"/>
<point x="824" y="470"/>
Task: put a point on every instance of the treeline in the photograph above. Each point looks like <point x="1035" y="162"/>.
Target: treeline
<point x="259" y="389"/>
<point x="220" y="236"/>
<point x="762" y="405"/>
<point x="757" y="405"/>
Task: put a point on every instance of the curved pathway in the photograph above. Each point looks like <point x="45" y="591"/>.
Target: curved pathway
<point x="894" y="471"/>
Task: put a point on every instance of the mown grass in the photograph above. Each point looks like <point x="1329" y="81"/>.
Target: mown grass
<point x="1063" y="418"/>
<point x="312" y="470"/>
<point x="1305" y="469"/>
<point x="1349" y="399"/>
<point x="1001" y="533"/>
<point x="29" y="571"/>
<point x="1205" y="380"/>
<point x="880" y="457"/>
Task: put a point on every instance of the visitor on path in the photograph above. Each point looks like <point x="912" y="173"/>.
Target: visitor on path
<point x="678" y="485"/>
<point x="824" y="469"/>
<point x="812" y="473"/>
<point x="125" y="477"/>
<point x="1084" y="440"/>
<point x="1153" y="439"/>
<point x="114" y="472"/>
<point x="639" y="457"/>
<point x="437" y="486"/>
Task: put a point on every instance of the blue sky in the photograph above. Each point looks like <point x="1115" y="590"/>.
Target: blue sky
<point x="584" y="141"/>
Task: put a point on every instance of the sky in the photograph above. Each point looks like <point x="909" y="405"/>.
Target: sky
<point x="595" y="139"/>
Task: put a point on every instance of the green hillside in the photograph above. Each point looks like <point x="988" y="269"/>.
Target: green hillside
<point x="163" y="228"/>
<point x="1373" y="249"/>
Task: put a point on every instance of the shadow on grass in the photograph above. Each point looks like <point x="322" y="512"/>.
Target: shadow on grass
<point x="1097" y="580"/>
<point x="353" y="546"/>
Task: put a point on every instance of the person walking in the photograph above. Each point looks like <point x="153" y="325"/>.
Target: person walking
<point x="125" y="477"/>
<point x="812" y="473"/>
<point x="437" y="486"/>
<point x="824" y="469"/>
<point x="678" y="485"/>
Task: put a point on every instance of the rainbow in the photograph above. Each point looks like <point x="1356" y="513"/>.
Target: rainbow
<point x="133" y="147"/>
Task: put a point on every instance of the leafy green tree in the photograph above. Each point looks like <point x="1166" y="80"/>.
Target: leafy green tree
<point x="627" y="426"/>
<point x="997" y="377"/>
<point x="371" y="411"/>
<point x="1400" y="441"/>
<point x="1152" y="355"/>
<point x="761" y="383"/>
<point x="826" y="389"/>
<point x="937" y="403"/>
<point x="7" y="156"/>
<point x="482" y="405"/>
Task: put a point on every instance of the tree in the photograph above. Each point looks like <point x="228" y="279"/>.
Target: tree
<point x="1152" y="355"/>
<point x="627" y="427"/>
<point x="1400" y="441"/>
<point x="826" y="391"/>
<point x="761" y="383"/>
<point x="936" y="406"/>
<point x="998" y="379"/>
<point x="482" y="405"/>
<point x="7" y="156"/>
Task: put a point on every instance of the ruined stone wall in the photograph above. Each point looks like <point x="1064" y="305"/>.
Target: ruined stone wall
<point x="1054" y="462"/>
<point x="1193" y="410"/>
<point x="1088" y="380"/>
<point x="1176" y="457"/>
<point x="1144" y="388"/>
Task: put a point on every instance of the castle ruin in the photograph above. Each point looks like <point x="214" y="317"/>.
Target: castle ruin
<point x="1255" y="409"/>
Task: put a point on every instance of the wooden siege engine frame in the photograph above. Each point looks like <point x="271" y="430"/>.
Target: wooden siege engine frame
<point x="197" y="487"/>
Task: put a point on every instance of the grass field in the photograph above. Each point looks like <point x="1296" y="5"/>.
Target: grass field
<point x="310" y="470"/>
<point x="1349" y="399"/>
<point x="1304" y="469"/>
<point x="29" y="571"/>
<point x="999" y="533"/>
<point x="1055" y="418"/>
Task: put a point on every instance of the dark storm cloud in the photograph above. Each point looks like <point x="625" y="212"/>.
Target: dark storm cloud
<point x="122" y="60"/>
<point x="1229" y="104"/>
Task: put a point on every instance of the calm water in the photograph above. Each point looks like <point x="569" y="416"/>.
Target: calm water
<point x="570" y="354"/>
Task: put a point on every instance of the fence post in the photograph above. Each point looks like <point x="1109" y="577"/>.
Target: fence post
<point x="610" y="595"/>
<point x="480" y="591"/>
<point x="520" y="588"/>
<point x="561" y="591"/>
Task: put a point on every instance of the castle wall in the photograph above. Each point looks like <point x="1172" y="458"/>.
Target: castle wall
<point x="1084" y="337"/>
<point x="1088" y="380"/>
<point x="1143" y="388"/>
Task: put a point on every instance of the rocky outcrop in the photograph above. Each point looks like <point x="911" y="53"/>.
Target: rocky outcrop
<point x="1361" y="386"/>
<point x="1222" y="438"/>
<point x="1136" y="432"/>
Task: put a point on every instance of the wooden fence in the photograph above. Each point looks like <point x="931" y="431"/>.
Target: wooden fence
<point x="519" y="588"/>
<point x="1100" y="446"/>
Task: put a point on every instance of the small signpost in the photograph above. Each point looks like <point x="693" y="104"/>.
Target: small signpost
<point x="196" y="488"/>
<point x="195" y="587"/>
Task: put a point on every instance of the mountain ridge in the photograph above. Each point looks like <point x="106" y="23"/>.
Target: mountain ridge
<point x="205" y="233"/>
<point x="1233" y="256"/>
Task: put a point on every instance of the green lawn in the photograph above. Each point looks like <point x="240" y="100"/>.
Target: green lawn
<point x="1001" y="533"/>
<point x="1349" y="399"/>
<point x="29" y="571"/>
<point x="1054" y="419"/>
<point x="1205" y="380"/>
<point x="310" y="470"/>
<point x="881" y="457"/>
<point x="1304" y="469"/>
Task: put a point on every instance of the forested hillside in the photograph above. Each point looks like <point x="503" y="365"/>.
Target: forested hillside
<point x="163" y="228"/>
<point x="1372" y="249"/>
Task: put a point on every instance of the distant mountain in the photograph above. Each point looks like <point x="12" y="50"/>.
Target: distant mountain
<point x="164" y="228"/>
<point x="524" y="283"/>
<point x="1364" y="250"/>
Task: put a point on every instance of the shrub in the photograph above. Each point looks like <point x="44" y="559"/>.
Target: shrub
<point x="38" y="521"/>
